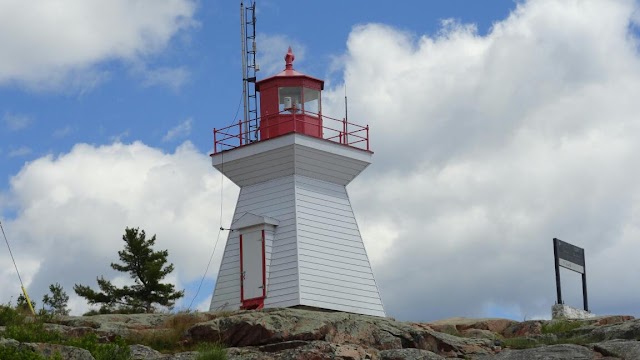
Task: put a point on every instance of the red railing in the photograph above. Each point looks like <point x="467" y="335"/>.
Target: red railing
<point x="335" y="130"/>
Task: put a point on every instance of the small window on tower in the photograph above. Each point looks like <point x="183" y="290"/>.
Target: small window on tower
<point x="289" y="99"/>
<point x="311" y="102"/>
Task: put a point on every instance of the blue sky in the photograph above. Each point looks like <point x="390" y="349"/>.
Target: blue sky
<point x="123" y="105"/>
<point x="496" y="126"/>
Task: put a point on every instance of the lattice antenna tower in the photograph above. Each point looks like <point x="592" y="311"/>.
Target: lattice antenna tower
<point x="249" y="70"/>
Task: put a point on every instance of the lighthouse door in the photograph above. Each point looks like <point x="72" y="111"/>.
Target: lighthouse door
<point x="252" y="269"/>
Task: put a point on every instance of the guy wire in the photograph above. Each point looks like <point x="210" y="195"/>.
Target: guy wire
<point x="219" y="231"/>
<point x="24" y="291"/>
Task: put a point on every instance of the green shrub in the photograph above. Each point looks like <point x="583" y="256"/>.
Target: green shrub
<point x="169" y="337"/>
<point x="57" y="301"/>
<point x="23" y="306"/>
<point x="450" y="330"/>
<point x="561" y="326"/>
<point x="117" y="350"/>
<point x="10" y="316"/>
<point x="19" y="354"/>
<point x="211" y="351"/>
<point x="530" y="342"/>
<point x="163" y="341"/>
<point x="32" y="332"/>
<point x="35" y="332"/>
<point x="113" y="310"/>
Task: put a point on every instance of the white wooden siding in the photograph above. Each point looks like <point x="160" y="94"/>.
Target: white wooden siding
<point x="268" y="239"/>
<point x="275" y="199"/>
<point x="291" y="154"/>
<point x="226" y="295"/>
<point x="315" y="255"/>
<point x="335" y="272"/>
<point x="259" y="168"/>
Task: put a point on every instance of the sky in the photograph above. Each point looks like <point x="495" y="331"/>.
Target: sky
<point x="496" y="126"/>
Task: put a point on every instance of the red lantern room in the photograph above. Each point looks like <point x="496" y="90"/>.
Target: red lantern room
<point x="290" y="102"/>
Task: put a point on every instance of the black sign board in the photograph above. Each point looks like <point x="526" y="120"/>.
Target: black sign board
<point x="570" y="257"/>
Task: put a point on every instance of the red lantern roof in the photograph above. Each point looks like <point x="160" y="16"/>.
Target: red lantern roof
<point x="291" y="102"/>
<point x="289" y="72"/>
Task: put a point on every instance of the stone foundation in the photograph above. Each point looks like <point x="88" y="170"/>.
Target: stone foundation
<point x="561" y="311"/>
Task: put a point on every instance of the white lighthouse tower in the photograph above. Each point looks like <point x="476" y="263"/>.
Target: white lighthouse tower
<point x="294" y="240"/>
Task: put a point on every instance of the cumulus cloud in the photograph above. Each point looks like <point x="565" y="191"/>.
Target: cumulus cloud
<point x="72" y="209"/>
<point x="60" y="44"/>
<point x="118" y="138"/>
<point x="486" y="147"/>
<point x="18" y="152"/>
<point x="181" y="130"/>
<point x="489" y="146"/>
<point x="15" y="122"/>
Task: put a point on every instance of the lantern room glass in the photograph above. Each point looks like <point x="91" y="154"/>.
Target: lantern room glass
<point x="289" y="95"/>
<point x="311" y="104"/>
<point x="302" y="99"/>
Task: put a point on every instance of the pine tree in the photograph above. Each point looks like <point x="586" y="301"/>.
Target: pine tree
<point x="22" y="305"/>
<point x="146" y="267"/>
<point x="58" y="300"/>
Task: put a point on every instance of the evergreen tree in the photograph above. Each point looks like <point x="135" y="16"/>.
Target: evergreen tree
<point x="146" y="267"/>
<point x="22" y="305"/>
<point x="58" y="300"/>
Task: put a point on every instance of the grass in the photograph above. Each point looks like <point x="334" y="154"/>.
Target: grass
<point x="561" y="326"/>
<point x="527" y="343"/>
<point x="9" y="315"/>
<point x="117" y="350"/>
<point x="168" y="338"/>
<point x="211" y="351"/>
<point x="561" y="331"/>
<point x="24" y="354"/>
<point x="171" y="337"/>
<point x="520" y="343"/>
<point x="26" y="329"/>
<point x="450" y="330"/>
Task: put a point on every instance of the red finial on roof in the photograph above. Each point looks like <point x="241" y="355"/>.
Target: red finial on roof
<point x="289" y="59"/>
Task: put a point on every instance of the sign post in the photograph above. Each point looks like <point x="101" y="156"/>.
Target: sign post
<point x="570" y="257"/>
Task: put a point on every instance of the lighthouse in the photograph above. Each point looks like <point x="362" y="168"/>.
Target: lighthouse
<point x="294" y="240"/>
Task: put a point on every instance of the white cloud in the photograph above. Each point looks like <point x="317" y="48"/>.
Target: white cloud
<point x="204" y="304"/>
<point x="271" y="52"/>
<point x="487" y="147"/>
<point x="16" y="122"/>
<point x="119" y="137"/>
<point x="180" y="131"/>
<point x="18" y="152"/>
<point x="173" y="78"/>
<point x="60" y="44"/>
<point x="72" y="210"/>
<point x="62" y="132"/>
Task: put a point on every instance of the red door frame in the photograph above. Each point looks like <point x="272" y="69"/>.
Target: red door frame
<point x="258" y="302"/>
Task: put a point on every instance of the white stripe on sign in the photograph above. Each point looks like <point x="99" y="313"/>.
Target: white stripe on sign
<point x="571" y="266"/>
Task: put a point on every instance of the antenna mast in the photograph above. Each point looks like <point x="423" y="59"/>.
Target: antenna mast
<point x="346" y="109"/>
<point x="249" y="69"/>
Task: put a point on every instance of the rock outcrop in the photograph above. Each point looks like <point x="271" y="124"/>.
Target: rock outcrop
<point x="315" y="335"/>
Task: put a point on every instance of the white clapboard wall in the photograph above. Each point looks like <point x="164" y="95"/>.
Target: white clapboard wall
<point x="274" y="198"/>
<point x="315" y="255"/>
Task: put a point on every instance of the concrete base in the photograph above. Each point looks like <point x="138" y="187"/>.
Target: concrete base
<point x="561" y="311"/>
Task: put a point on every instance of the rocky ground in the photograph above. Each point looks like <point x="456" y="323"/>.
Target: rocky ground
<point x="313" y="335"/>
